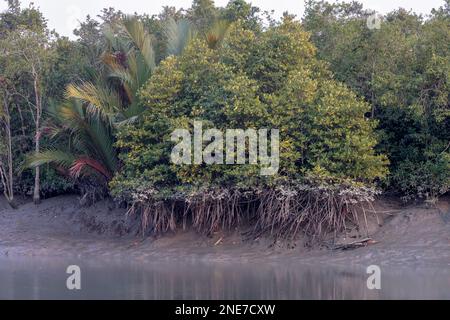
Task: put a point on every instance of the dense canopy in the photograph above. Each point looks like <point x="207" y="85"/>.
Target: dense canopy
<point x="357" y="110"/>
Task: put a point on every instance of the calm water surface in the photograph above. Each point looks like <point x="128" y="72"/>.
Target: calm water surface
<point x="46" y="279"/>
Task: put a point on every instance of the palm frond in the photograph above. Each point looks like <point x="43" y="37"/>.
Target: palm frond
<point x="81" y="164"/>
<point x="57" y="157"/>
<point x="89" y="135"/>
<point x="131" y="56"/>
<point x="101" y="99"/>
<point x="102" y="143"/>
<point x="178" y="35"/>
<point x="134" y="30"/>
<point x="216" y="35"/>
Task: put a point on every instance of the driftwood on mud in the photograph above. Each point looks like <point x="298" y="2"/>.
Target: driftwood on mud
<point x="355" y="244"/>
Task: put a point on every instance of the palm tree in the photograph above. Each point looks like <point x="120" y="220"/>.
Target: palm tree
<point x="178" y="35"/>
<point x="215" y="36"/>
<point x="130" y="61"/>
<point x="83" y="143"/>
<point x="93" y="110"/>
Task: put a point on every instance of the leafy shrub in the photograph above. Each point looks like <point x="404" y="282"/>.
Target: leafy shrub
<point x="265" y="80"/>
<point x="428" y="179"/>
<point x="403" y="71"/>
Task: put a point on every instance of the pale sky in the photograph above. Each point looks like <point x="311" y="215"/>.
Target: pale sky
<point x="64" y="15"/>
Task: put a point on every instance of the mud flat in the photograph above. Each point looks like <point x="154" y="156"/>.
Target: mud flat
<point x="412" y="236"/>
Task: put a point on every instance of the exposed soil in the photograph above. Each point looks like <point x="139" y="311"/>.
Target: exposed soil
<point x="412" y="235"/>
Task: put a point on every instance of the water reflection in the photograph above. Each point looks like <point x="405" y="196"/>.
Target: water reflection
<point x="38" y="279"/>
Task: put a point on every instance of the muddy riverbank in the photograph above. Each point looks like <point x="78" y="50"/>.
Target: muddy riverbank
<point x="413" y="236"/>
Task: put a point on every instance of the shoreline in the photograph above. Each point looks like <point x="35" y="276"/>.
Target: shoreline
<point x="414" y="236"/>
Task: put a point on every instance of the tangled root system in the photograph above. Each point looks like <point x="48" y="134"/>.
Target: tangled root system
<point x="282" y="212"/>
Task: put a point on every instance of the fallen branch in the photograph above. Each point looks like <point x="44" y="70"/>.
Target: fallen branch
<point x="355" y="245"/>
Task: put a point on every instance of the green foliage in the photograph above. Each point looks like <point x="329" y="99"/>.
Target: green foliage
<point x="52" y="183"/>
<point x="82" y="143"/>
<point x="341" y="94"/>
<point x="202" y="14"/>
<point x="272" y="81"/>
<point x="243" y="11"/>
<point x="28" y="53"/>
<point x="402" y="70"/>
<point x="88" y="119"/>
<point x="178" y="34"/>
<point x="428" y="179"/>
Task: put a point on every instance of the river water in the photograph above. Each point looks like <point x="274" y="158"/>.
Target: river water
<point x="46" y="279"/>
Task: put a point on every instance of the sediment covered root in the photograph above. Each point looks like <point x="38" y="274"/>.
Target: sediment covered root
<point x="283" y="212"/>
<point x="157" y="217"/>
<point x="214" y="210"/>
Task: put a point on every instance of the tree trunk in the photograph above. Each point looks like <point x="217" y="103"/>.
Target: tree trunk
<point x="10" y="162"/>
<point x="37" y="186"/>
<point x="7" y="175"/>
<point x="37" y="195"/>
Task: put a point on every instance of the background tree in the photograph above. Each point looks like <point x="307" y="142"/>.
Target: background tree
<point x="6" y="152"/>
<point x="202" y="14"/>
<point x="29" y="49"/>
<point x="96" y="108"/>
<point x="20" y="29"/>
<point x="402" y="71"/>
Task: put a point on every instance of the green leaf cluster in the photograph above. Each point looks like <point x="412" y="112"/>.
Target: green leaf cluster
<point x="270" y="80"/>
